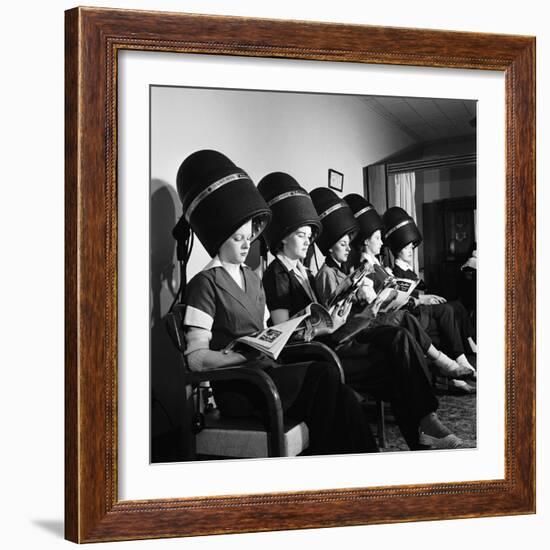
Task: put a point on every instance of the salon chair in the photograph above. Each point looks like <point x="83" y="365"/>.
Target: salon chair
<point x="208" y="434"/>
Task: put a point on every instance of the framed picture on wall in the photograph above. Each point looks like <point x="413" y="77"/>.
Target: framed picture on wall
<point x="140" y="99"/>
<point x="335" y="180"/>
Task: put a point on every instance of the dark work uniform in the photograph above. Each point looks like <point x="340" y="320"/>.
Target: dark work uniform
<point x="310" y="391"/>
<point x="385" y="361"/>
<point x="448" y="324"/>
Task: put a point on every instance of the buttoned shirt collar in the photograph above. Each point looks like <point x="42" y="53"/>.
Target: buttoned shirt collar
<point x="293" y="265"/>
<point x="296" y="267"/>
<point x="331" y="262"/>
<point x="236" y="275"/>
<point x="214" y="262"/>
<point x="371" y="258"/>
<point x="403" y="264"/>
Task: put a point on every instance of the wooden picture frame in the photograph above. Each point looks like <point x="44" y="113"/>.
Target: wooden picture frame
<point x="335" y="180"/>
<point x="93" y="509"/>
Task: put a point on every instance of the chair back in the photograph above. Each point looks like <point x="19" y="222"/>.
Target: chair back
<point x="174" y="326"/>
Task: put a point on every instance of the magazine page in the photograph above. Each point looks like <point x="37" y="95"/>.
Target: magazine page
<point x="317" y="318"/>
<point x="349" y="285"/>
<point x="299" y="328"/>
<point x="272" y="340"/>
<point x="394" y="296"/>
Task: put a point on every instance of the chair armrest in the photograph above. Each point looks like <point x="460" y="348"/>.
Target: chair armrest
<point x="237" y="372"/>
<point x="173" y="322"/>
<point x="311" y="351"/>
<point x="265" y="384"/>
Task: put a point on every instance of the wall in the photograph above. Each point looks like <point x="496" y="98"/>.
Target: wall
<point x="31" y="225"/>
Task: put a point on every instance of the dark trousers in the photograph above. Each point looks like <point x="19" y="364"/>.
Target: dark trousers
<point x="463" y="322"/>
<point x="388" y="363"/>
<point x="439" y="322"/>
<point x="337" y="422"/>
<point x="407" y="320"/>
<point x="412" y="324"/>
<point x="310" y="392"/>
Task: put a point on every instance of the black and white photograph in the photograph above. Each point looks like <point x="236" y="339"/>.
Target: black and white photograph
<point x="247" y="233"/>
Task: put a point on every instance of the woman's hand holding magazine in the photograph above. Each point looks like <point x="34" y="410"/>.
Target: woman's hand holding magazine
<point x="354" y="323"/>
<point x="393" y="295"/>
<point x="304" y="326"/>
<point x="347" y="289"/>
<point x="339" y="314"/>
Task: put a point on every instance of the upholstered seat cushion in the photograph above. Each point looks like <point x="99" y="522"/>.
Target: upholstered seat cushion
<point x="245" y="437"/>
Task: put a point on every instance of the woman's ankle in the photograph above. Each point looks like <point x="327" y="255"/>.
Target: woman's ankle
<point x="431" y="425"/>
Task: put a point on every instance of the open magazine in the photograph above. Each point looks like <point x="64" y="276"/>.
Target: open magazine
<point x="347" y="288"/>
<point x="272" y="340"/>
<point x="394" y="295"/>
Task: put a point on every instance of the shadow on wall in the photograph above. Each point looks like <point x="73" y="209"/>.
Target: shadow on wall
<point x="165" y="210"/>
<point x="167" y="388"/>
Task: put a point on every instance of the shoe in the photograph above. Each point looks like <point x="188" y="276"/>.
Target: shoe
<point x="463" y="362"/>
<point x="455" y="370"/>
<point x="450" y="441"/>
<point x="471" y="376"/>
<point x="460" y="387"/>
<point x="450" y="368"/>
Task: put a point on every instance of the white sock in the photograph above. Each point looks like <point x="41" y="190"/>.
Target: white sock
<point x="473" y="345"/>
<point x="443" y="361"/>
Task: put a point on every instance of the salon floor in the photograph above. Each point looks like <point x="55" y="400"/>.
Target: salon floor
<point x="458" y="412"/>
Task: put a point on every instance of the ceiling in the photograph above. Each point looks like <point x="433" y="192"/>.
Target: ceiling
<point x="426" y="119"/>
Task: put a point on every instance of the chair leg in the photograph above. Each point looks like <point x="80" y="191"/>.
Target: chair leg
<point x="381" y="423"/>
<point x="187" y="429"/>
<point x="276" y="434"/>
<point x="276" y="443"/>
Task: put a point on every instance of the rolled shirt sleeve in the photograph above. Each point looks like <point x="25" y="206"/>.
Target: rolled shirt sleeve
<point x="200" y="301"/>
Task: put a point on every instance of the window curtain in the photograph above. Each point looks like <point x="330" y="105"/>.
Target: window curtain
<point x="405" y="189"/>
